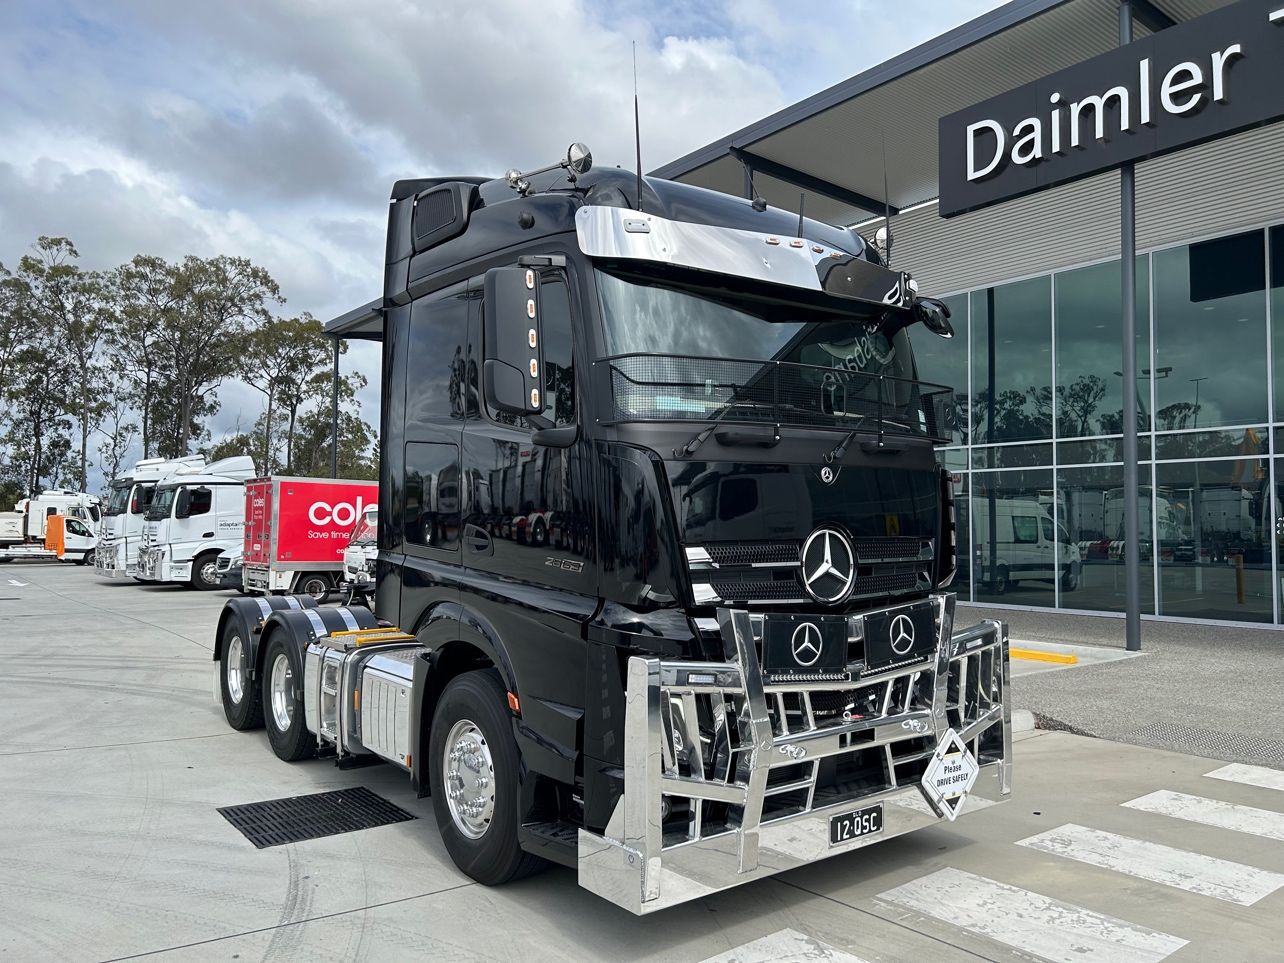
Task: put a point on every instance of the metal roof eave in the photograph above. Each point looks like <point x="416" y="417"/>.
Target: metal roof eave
<point x="973" y="32"/>
<point x="360" y="324"/>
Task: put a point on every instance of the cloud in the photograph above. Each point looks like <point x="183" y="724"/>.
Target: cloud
<point x="273" y="130"/>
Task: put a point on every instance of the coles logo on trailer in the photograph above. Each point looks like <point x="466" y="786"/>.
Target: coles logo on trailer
<point x="342" y="513"/>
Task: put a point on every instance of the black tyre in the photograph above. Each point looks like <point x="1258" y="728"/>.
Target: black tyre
<point x="1001" y="583"/>
<point x="205" y="572"/>
<point x="314" y="584"/>
<point x="242" y="702"/>
<point x="282" y="688"/>
<point x="473" y="767"/>
<point x="539" y="532"/>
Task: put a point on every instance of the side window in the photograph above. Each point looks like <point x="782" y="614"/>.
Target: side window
<point x="1048" y="534"/>
<point x="201" y="499"/>
<point x="77" y="527"/>
<point x="431" y="514"/>
<point x="435" y="389"/>
<point x="559" y="371"/>
<point x="1025" y="529"/>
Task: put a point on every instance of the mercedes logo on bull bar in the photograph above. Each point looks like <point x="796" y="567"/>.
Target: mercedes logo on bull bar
<point x="902" y="634"/>
<point x="806" y="644"/>
<point x="828" y="566"/>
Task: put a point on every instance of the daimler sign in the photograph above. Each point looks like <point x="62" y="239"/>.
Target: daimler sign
<point x="1202" y="79"/>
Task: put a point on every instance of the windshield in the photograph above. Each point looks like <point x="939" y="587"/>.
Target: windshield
<point x="367" y="530"/>
<point x="713" y="355"/>
<point x="118" y="500"/>
<point x="644" y="317"/>
<point x="162" y="502"/>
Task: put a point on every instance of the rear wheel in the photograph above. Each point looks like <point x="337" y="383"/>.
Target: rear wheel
<point x="205" y="572"/>
<point x="241" y="701"/>
<point x="283" y="702"/>
<point x="473" y="771"/>
<point x="1001" y="583"/>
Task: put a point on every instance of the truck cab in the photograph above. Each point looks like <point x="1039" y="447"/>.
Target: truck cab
<point x="192" y="518"/>
<point x="127" y="502"/>
<point x="684" y="621"/>
<point x="37" y="509"/>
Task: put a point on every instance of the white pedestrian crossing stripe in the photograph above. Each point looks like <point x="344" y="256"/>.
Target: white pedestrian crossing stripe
<point x="1212" y="812"/>
<point x="784" y="945"/>
<point x="1193" y="872"/>
<point x="1258" y="776"/>
<point x="1029" y="922"/>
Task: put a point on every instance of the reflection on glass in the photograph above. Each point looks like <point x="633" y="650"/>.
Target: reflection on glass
<point x="1277" y="314"/>
<point x="1097" y="451"/>
<point x="1013" y="558"/>
<point x="1249" y="444"/>
<point x="944" y="362"/>
<point x="1088" y="332"/>
<point x="1210" y="333"/>
<point x="1090" y="510"/>
<point x="1012" y="361"/>
<point x="962" y="584"/>
<point x="1012" y="456"/>
<point x="1214" y="544"/>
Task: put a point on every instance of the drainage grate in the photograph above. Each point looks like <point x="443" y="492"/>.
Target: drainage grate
<point x="1210" y="742"/>
<point x="276" y="822"/>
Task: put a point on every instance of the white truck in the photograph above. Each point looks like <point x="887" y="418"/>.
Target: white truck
<point x="27" y="523"/>
<point x="128" y="501"/>
<point x="67" y="538"/>
<point x="191" y="520"/>
<point x="359" y="556"/>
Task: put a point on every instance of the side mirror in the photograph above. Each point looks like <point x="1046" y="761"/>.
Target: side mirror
<point x="183" y="503"/>
<point x="513" y="342"/>
<point x="935" y="316"/>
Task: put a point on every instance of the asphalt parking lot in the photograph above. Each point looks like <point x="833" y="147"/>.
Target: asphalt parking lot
<point x="114" y="757"/>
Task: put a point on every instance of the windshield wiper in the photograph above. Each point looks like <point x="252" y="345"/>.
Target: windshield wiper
<point x="837" y="452"/>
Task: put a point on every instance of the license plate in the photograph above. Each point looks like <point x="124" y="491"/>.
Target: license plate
<point x="845" y="827"/>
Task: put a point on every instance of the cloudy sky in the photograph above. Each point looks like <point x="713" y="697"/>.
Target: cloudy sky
<point x="274" y="129"/>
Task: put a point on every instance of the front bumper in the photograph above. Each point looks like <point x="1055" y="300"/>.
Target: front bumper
<point x="728" y="780"/>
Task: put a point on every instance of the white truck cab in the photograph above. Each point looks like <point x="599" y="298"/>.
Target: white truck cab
<point x="130" y="497"/>
<point x="57" y="501"/>
<point x="191" y="520"/>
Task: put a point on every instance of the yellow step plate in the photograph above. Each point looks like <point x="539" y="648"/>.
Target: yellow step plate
<point x="373" y="636"/>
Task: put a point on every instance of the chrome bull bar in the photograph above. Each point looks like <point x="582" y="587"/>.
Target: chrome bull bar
<point x="728" y="779"/>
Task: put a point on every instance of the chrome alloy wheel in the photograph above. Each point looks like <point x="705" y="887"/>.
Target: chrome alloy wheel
<point x="209" y="572"/>
<point x="469" y="778"/>
<point x="235" y="669"/>
<point x="282" y="692"/>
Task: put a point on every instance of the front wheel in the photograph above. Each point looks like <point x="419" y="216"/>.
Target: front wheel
<point x="317" y="586"/>
<point x="205" y="572"/>
<point x="283" y="702"/>
<point x="473" y="771"/>
<point x="242" y="704"/>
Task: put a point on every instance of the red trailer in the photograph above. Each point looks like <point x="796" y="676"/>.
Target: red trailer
<point x="296" y="530"/>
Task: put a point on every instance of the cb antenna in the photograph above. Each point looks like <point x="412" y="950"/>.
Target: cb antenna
<point x="887" y="210"/>
<point x="802" y="196"/>
<point x="637" y="124"/>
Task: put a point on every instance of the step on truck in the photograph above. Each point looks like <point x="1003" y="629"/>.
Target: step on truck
<point x="741" y="656"/>
<point x="129" y="498"/>
<point x="296" y="530"/>
<point x="194" y="518"/>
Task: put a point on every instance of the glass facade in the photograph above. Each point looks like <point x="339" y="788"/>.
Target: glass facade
<point x="1037" y="453"/>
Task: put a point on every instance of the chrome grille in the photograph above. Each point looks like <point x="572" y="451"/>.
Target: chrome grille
<point x="825" y="743"/>
<point x="753" y="553"/>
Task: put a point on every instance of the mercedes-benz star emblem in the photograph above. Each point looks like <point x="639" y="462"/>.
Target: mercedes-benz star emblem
<point x="902" y="634"/>
<point x="806" y="644"/>
<point x="828" y="566"/>
<point x="827" y="475"/>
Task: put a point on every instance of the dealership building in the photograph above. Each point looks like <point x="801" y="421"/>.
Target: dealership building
<point x="1034" y="286"/>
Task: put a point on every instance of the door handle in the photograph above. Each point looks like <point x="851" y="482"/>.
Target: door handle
<point x="478" y="540"/>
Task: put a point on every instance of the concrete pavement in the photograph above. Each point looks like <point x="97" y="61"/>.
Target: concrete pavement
<point x="114" y="757"/>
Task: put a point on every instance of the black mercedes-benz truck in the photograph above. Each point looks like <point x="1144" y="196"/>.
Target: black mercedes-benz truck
<point x="664" y="545"/>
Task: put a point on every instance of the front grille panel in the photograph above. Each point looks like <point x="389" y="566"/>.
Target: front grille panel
<point x="754" y="572"/>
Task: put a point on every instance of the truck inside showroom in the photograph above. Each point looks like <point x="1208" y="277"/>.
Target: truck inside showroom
<point x="692" y="694"/>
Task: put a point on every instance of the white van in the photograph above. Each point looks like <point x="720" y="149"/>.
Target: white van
<point x="1024" y="547"/>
